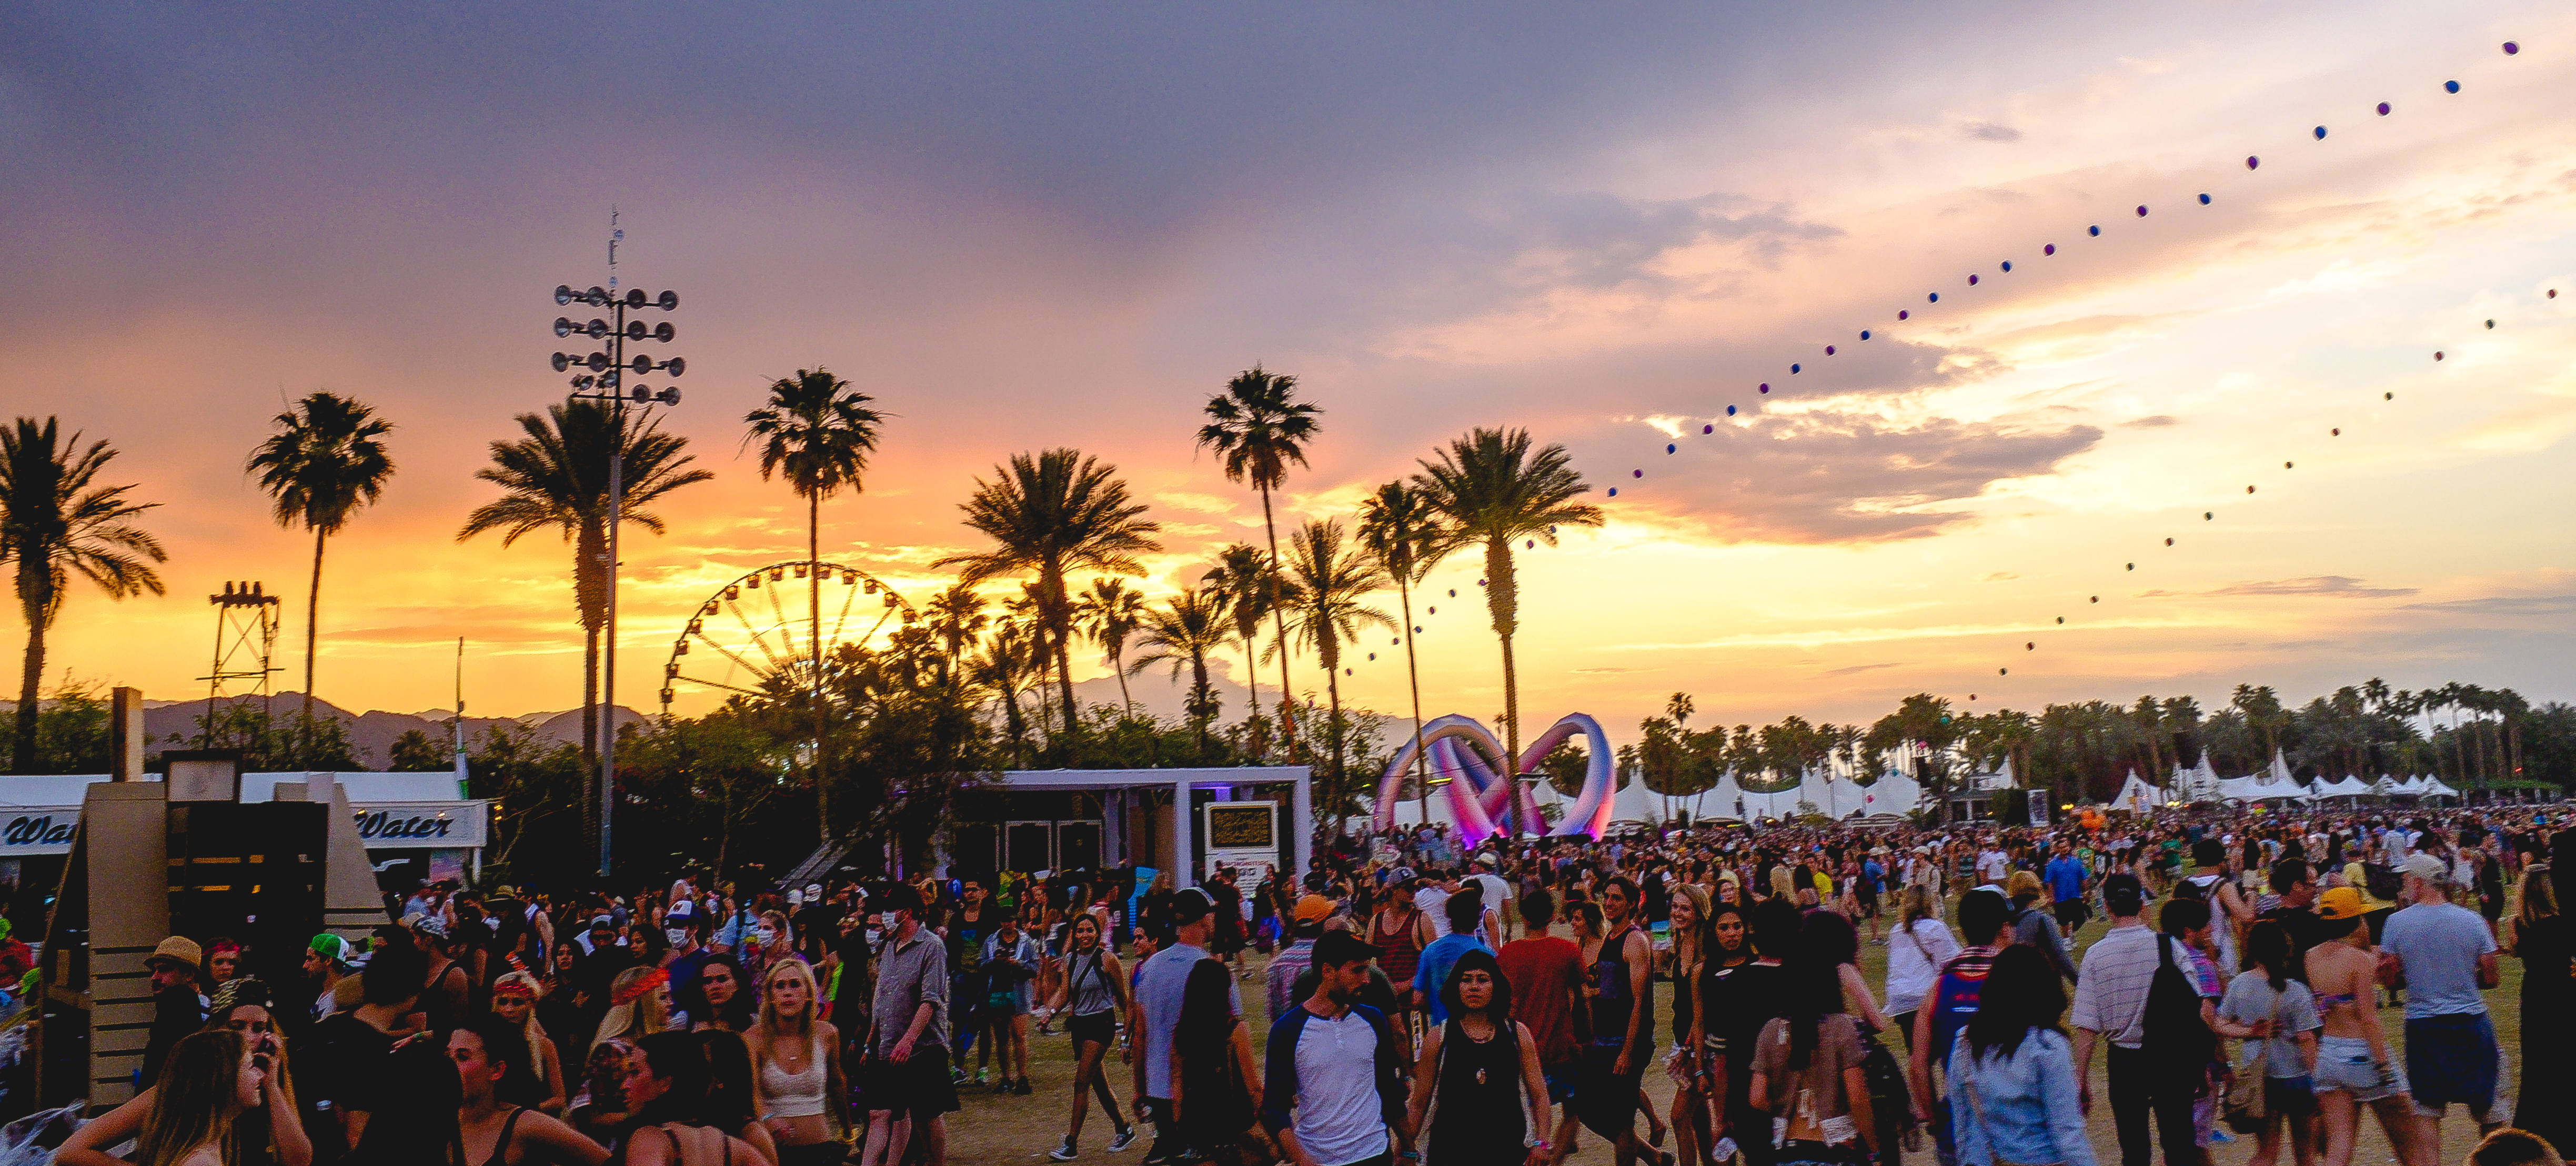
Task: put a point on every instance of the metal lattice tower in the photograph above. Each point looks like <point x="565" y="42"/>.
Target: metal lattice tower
<point x="245" y="638"/>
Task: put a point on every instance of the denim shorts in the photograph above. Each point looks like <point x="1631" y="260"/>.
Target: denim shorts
<point x="2343" y="1064"/>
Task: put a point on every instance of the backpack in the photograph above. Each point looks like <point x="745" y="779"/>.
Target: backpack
<point x="2178" y="1044"/>
<point x="1954" y="999"/>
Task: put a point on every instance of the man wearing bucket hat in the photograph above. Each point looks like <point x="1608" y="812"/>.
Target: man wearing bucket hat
<point x="177" y="1009"/>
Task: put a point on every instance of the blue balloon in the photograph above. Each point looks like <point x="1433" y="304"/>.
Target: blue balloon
<point x="2008" y="265"/>
<point x="2096" y="232"/>
<point x="1670" y="447"/>
<point x="1864" y="333"/>
<point x="1730" y="411"/>
<point x="2321" y="133"/>
<point x="1793" y="370"/>
<point x="2204" y="200"/>
<point x="1936" y="297"/>
<point x="2450" y="86"/>
<point x="1614" y="492"/>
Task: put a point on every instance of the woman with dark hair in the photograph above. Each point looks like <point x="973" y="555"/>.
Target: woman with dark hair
<point x="722" y="999"/>
<point x="1215" y="1087"/>
<point x="1470" y="1069"/>
<point x="1807" y="1072"/>
<point x="494" y="1124"/>
<point x="732" y="1100"/>
<point x="2283" y="1016"/>
<point x="2012" y="1070"/>
<point x="666" y="1082"/>
<point x="2541" y="940"/>
<point x="1093" y="994"/>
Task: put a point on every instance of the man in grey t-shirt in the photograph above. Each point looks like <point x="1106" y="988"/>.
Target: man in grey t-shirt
<point x="1160" y="986"/>
<point x="2449" y="957"/>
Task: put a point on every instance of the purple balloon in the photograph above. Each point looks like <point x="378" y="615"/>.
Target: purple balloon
<point x="2142" y="212"/>
<point x="1900" y="314"/>
<point x="1730" y="411"/>
<point x="2511" y="48"/>
<point x="1636" y="473"/>
<point x="1766" y="386"/>
<point x="2383" y="109"/>
<point x="2252" y="161"/>
<point x="2051" y="249"/>
<point x="1829" y="350"/>
<point x="1972" y="281"/>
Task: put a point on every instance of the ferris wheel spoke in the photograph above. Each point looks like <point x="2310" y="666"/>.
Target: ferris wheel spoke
<point x="786" y="626"/>
<point x="850" y="595"/>
<point x="732" y="655"/>
<point x="723" y="685"/>
<point x="753" y="631"/>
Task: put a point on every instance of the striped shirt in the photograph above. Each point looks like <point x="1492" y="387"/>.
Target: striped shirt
<point x="2119" y="969"/>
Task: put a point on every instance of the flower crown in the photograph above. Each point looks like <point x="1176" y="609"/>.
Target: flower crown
<point x="641" y="988"/>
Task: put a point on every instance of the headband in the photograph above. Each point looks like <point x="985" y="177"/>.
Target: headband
<point x="512" y="988"/>
<point x="641" y="988"/>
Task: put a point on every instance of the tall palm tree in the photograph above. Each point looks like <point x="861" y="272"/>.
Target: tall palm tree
<point x="1409" y="538"/>
<point x="819" y="431"/>
<point x="1259" y="427"/>
<point x="1111" y="614"/>
<point x="1004" y="666"/>
<point x="324" y="461"/>
<point x="1327" y="576"/>
<point x="58" y="520"/>
<point x="1496" y="490"/>
<point x="957" y="617"/>
<point x="1185" y="631"/>
<point x="1051" y="513"/>
<point x="1243" y="575"/>
<point x="555" y="477"/>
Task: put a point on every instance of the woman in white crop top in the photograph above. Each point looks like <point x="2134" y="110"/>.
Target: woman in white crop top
<point x="797" y="1069"/>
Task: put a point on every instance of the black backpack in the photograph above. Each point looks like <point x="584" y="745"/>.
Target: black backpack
<point x="2178" y="1044"/>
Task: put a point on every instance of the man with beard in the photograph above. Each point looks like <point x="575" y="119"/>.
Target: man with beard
<point x="1331" y="1093"/>
<point x="1623" y="996"/>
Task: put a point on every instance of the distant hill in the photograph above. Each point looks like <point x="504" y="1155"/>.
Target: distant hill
<point x="372" y="733"/>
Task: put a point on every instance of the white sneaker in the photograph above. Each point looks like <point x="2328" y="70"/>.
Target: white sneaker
<point x="1063" y="1153"/>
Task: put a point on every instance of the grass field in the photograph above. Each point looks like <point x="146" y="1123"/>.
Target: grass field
<point x="1001" y="1129"/>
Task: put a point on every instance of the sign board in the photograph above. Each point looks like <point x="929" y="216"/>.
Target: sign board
<point x="381" y="826"/>
<point x="1243" y="835"/>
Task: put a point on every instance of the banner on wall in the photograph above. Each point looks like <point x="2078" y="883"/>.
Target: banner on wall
<point x="31" y="831"/>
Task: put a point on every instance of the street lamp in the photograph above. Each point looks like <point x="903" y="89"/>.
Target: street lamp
<point x="601" y="375"/>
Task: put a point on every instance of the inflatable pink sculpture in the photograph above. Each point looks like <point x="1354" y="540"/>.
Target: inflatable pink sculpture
<point x="1465" y="762"/>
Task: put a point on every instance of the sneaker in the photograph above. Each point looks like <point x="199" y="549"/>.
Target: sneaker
<point x="1023" y="1089"/>
<point x="1064" y="1153"/>
<point x="1125" y="1138"/>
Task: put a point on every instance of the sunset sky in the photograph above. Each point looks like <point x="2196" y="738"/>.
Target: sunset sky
<point x="1025" y="226"/>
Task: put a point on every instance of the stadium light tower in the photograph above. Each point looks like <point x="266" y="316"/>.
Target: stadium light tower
<point x="602" y="375"/>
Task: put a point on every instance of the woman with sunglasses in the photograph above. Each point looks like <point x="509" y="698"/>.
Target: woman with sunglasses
<point x="267" y="1129"/>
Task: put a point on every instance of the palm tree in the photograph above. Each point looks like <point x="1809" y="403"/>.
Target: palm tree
<point x="820" y="431"/>
<point x="1243" y="575"/>
<point x="1186" y="630"/>
<point x="1494" y="489"/>
<point x="1111" y="614"/>
<point x="957" y="617"/>
<point x="1051" y="513"/>
<point x="1004" y="668"/>
<point x="1409" y="538"/>
<point x="555" y="477"/>
<point x="1258" y="426"/>
<point x="326" y="459"/>
<point x="1327" y="576"/>
<point x="58" y="521"/>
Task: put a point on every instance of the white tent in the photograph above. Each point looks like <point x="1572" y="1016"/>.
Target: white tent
<point x="2434" y="788"/>
<point x="1839" y="797"/>
<point x="2137" y="796"/>
<point x="1637" y="803"/>
<point x="2348" y="787"/>
<point x="2281" y="768"/>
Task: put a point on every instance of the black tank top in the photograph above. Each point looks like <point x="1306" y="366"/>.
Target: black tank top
<point x="1479" y="1118"/>
<point x="501" y="1149"/>
<point x="1611" y="1002"/>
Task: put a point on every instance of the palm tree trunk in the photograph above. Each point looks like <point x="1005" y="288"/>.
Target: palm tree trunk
<point x="1279" y="617"/>
<point x="814" y="642"/>
<point x="1502" y="599"/>
<point x="1118" y="664"/>
<point x="1413" y="677"/>
<point x="1200" y="696"/>
<point x="312" y="622"/>
<point x="1252" y="682"/>
<point x="35" y="586"/>
<point x="1331" y="652"/>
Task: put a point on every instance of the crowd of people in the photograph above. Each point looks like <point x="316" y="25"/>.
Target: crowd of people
<point x="1432" y="1001"/>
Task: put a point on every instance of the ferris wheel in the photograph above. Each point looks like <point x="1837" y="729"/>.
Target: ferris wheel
<point x="755" y="636"/>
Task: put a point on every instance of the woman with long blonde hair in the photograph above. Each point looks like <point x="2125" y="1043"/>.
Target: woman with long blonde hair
<point x="210" y="1078"/>
<point x="267" y="1130"/>
<point x="796" y="1067"/>
<point x="639" y="1005"/>
<point x="514" y="999"/>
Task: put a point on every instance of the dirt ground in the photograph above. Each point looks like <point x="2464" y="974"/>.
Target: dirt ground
<point x="1009" y="1129"/>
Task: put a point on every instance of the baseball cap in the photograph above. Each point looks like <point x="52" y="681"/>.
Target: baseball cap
<point x="2340" y="903"/>
<point x="813" y="892"/>
<point x="1336" y="948"/>
<point x="1311" y="908"/>
<point x="1400" y="876"/>
<point x="680" y="912"/>
<point x="2424" y="866"/>
<point x="2123" y="894"/>
<point x="1190" y="905"/>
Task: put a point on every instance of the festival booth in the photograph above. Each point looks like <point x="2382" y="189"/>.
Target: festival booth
<point x="412" y="824"/>
<point x="1182" y="820"/>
